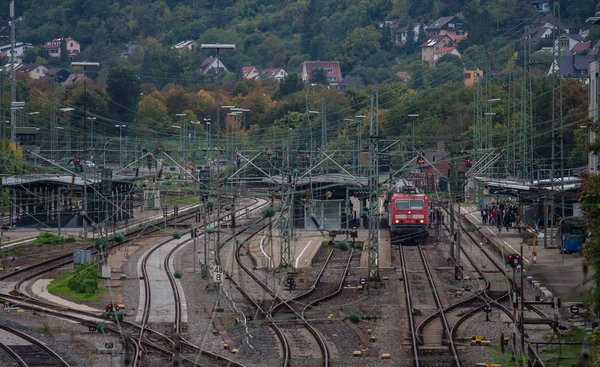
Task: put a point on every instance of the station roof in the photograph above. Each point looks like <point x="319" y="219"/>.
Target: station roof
<point x="60" y="179"/>
<point x="332" y="178"/>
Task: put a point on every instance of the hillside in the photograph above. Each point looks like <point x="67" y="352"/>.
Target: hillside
<point x="275" y="33"/>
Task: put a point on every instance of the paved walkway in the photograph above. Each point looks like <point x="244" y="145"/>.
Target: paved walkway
<point x="561" y="274"/>
<point x="39" y="288"/>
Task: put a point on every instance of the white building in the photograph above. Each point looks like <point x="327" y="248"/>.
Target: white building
<point x="19" y="50"/>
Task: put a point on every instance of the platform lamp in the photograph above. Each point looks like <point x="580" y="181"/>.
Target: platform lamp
<point x="85" y="65"/>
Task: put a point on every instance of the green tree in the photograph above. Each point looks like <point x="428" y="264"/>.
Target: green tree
<point x="152" y="115"/>
<point x="124" y="88"/>
<point x="359" y="45"/>
<point x="64" y="55"/>
<point x="30" y="55"/>
<point x="319" y="76"/>
<point x="290" y="84"/>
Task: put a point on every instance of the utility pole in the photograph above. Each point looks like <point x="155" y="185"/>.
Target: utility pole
<point x="13" y="78"/>
<point x="373" y="243"/>
<point x="557" y="123"/>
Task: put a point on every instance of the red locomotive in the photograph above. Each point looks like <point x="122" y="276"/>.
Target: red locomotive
<point x="408" y="210"/>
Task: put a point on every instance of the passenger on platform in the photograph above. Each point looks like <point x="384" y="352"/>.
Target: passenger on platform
<point x="484" y="216"/>
<point x="493" y="215"/>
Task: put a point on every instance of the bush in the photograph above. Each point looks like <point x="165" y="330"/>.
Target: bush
<point x="268" y="212"/>
<point x="71" y="239"/>
<point x="47" y="238"/>
<point x="355" y="317"/>
<point x="84" y="280"/>
<point x="358" y="245"/>
<point x="176" y="235"/>
<point x="118" y="237"/>
<point x="342" y="245"/>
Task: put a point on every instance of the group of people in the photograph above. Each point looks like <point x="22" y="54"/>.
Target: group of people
<point x="500" y="214"/>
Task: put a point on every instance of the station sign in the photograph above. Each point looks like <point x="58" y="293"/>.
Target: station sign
<point x="217" y="273"/>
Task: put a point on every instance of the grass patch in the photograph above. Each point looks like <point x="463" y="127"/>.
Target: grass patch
<point x="60" y="287"/>
<point x="190" y="200"/>
<point x="47" y="238"/>
<point x="566" y="355"/>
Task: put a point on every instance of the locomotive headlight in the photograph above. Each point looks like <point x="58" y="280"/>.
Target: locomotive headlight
<point x="397" y="221"/>
<point x="421" y="221"/>
<point x="409" y="212"/>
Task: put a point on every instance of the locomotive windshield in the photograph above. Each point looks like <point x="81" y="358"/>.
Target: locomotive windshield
<point x="409" y="204"/>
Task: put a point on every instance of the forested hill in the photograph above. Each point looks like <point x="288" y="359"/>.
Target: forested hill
<point x="270" y="33"/>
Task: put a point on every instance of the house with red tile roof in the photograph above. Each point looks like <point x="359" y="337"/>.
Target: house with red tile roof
<point x="250" y="73"/>
<point x="53" y="47"/>
<point x="332" y="69"/>
<point x="275" y="73"/>
<point x="437" y="46"/>
<point x="579" y="48"/>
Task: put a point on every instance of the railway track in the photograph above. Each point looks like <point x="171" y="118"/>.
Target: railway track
<point x="487" y="297"/>
<point x="418" y="283"/>
<point x="30" y="351"/>
<point x="167" y="307"/>
<point x="290" y="340"/>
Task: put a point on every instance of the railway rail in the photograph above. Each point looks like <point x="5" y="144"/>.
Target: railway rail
<point x="422" y="356"/>
<point x="32" y="354"/>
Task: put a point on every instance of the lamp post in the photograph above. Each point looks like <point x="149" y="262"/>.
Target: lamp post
<point x="85" y="65"/>
<point x="120" y="143"/>
<point x="92" y="119"/>
<point x="413" y="116"/>
<point x="104" y="150"/>
<point x="359" y="128"/>
<point x="68" y="132"/>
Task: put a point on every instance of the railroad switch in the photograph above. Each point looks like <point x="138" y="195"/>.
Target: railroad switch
<point x="357" y="353"/>
<point x="330" y="316"/>
<point x="385" y="278"/>
<point x="369" y="331"/>
<point x="458" y="294"/>
<point x="215" y="332"/>
<point x="385" y="356"/>
<point x="234" y="350"/>
<point x="373" y="338"/>
<point x="225" y="346"/>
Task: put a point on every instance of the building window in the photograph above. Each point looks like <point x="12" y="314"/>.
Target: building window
<point x="467" y="76"/>
<point x="450" y="25"/>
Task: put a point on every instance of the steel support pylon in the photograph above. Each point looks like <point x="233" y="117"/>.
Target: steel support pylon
<point x="285" y="224"/>
<point x="373" y="245"/>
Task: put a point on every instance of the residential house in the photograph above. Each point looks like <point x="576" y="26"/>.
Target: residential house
<point x="19" y="50"/>
<point x="184" y="45"/>
<point x="211" y="63"/>
<point x="580" y="48"/>
<point x="400" y="35"/>
<point x="53" y="47"/>
<point x="452" y="26"/>
<point x="74" y="79"/>
<point x="332" y="69"/>
<point x="275" y="73"/>
<point x="5" y="31"/>
<point x="541" y="5"/>
<point x="573" y="67"/>
<point x="59" y="75"/>
<point x="539" y="34"/>
<point x="250" y="73"/>
<point x="470" y="77"/>
<point x="568" y="41"/>
<point x="437" y="46"/>
<point x="32" y="71"/>
<point x="595" y="50"/>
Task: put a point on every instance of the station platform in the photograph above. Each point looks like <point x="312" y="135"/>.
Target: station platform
<point x="306" y="245"/>
<point x="562" y="274"/>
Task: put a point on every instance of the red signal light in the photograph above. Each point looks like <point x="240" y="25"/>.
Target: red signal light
<point x="149" y="158"/>
<point x="297" y="157"/>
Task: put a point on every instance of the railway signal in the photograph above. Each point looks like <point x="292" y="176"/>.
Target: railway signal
<point x="468" y="162"/>
<point x="421" y="160"/>
<point x="513" y="260"/>
<point x="517" y="161"/>
<point x="149" y="159"/>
